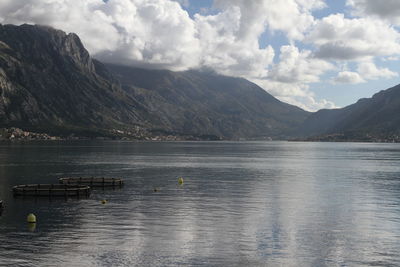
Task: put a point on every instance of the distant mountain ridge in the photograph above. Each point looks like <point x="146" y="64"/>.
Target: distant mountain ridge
<point x="378" y="116"/>
<point x="48" y="81"/>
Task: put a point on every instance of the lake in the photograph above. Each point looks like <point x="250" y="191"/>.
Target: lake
<point x="241" y="204"/>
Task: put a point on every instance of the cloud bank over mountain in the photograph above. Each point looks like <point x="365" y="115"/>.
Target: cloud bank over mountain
<point x="162" y="34"/>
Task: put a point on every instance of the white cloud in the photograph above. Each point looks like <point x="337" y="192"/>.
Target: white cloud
<point x="296" y="94"/>
<point x="339" y="38"/>
<point x="184" y="3"/>
<point x="298" y="66"/>
<point x="157" y="33"/>
<point x="230" y="39"/>
<point x="368" y="70"/>
<point x="292" y="17"/>
<point x="229" y="51"/>
<point x="348" y="77"/>
<point x="384" y="9"/>
<point x="391" y="58"/>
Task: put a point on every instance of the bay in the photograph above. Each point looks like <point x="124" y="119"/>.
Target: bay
<point x="242" y="203"/>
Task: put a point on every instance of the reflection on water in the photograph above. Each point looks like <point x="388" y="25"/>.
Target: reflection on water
<point x="245" y="203"/>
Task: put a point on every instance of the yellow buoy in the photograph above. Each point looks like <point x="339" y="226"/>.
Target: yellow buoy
<point x="31" y="218"/>
<point x="180" y="180"/>
<point x="104" y="201"/>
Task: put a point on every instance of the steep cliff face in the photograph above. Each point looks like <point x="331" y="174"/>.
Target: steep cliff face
<point x="48" y="79"/>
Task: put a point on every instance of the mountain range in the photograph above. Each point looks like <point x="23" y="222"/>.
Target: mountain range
<point x="50" y="83"/>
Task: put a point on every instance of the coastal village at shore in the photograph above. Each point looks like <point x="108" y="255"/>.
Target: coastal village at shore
<point x="17" y="134"/>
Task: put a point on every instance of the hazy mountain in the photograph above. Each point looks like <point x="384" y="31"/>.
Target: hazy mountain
<point x="377" y="116"/>
<point x="49" y="81"/>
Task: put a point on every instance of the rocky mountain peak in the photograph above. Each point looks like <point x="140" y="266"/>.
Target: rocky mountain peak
<point x="40" y="44"/>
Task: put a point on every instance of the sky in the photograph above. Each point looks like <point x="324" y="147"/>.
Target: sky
<point x="311" y="53"/>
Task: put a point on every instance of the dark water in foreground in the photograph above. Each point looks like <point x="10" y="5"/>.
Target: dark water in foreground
<point x="246" y="203"/>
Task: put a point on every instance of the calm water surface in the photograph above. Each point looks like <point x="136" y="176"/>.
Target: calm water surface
<point x="243" y="203"/>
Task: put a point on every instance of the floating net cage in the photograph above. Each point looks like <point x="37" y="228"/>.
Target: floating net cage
<point x="93" y="181"/>
<point x="52" y="190"/>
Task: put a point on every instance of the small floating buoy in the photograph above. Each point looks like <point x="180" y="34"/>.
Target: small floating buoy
<point x="180" y="180"/>
<point x="31" y="218"/>
<point x="156" y="189"/>
<point x="104" y="201"/>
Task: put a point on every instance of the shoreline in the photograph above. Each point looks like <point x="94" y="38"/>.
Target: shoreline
<point x="14" y="134"/>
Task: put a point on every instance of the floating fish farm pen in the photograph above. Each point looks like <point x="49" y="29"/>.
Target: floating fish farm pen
<point x="93" y="181"/>
<point x="52" y="190"/>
